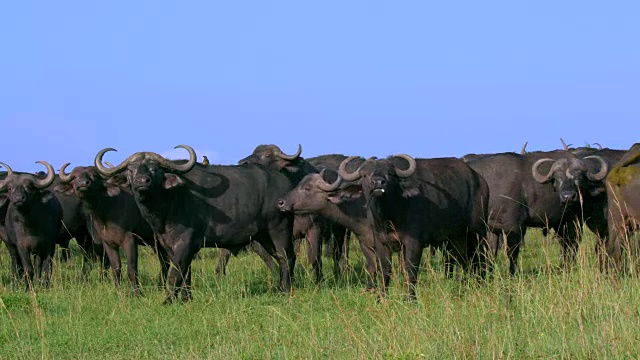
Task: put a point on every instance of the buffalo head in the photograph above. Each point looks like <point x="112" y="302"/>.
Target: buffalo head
<point x="86" y="181"/>
<point x="271" y="156"/>
<point x="148" y="172"/>
<point x="22" y="189"/>
<point x="312" y="193"/>
<point x="569" y="175"/>
<point x="383" y="177"/>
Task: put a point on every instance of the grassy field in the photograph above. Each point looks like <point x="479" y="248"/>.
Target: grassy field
<point x="540" y="313"/>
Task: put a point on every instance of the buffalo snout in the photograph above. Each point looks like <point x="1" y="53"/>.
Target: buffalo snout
<point x="568" y="196"/>
<point x="142" y="181"/>
<point x="284" y="205"/>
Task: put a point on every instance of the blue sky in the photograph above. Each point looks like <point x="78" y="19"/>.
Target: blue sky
<point x="427" y="78"/>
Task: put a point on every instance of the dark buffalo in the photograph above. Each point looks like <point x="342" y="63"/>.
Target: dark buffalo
<point x="314" y="195"/>
<point x="623" y="189"/>
<point x="316" y="228"/>
<point x="74" y="226"/>
<point x="418" y="202"/>
<point x="190" y="206"/>
<point x="538" y="189"/>
<point x="33" y="221"/>
<point x="113" y="218"/>
<point x="469" y="157"/>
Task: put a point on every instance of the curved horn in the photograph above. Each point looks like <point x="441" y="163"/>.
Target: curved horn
<point x="109" y="164"/>
<point x="539" y="177"/>
<point x="9" y="172"/>
<point x="564" y="145"/>
<point x="65" y="178"/>
<point x="412" y="166"/>
<point x="284" y="156"/>
<point x="524" y="148"/>
<point x="166" y="163"/>
<point x="103" y="170"/>
<point x="43" y="183"/>
<point x="325" y="186"/>
<point x="604" y="169"/>
<point x="342" y="170"/>
<point x="598" y="145"/>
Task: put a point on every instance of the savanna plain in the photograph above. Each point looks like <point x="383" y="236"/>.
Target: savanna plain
<point x="542" y="312"/>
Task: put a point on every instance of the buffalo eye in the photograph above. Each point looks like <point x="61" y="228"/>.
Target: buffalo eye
<point x="306" y="188"/>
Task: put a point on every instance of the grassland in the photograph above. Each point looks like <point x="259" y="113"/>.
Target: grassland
<point x="540" y="313"/>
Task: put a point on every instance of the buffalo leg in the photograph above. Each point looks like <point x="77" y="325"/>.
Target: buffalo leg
<point x="383" y="254"/>
<point x="131" y="251"/>
<point x="314" y="251"/>
<point x="47" y="267"/>
<point x="25" y="257"/>
<point x="64" y="248"/>
<point x="279" y="238"/>
<point x="569" y="240"/>
<point x="17" y="270"/>
<point x="264" y="255"/>
<point x="181" y="258"/>
<point x="514" y="240"/>
<point x="339" y="263"/>
<point x="366" y="245"/>
<point x="412" y="255"/>
<point x="165" y="263"/>
<point x="114" y="260"/>
<point x="223" y="260"/>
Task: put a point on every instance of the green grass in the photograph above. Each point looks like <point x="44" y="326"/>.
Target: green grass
<point x="541" y="313"/>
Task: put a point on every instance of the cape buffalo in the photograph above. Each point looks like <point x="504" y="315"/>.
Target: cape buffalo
<point x="538" y="189"/>
<point x="73" y="227"/>
<point x="190" y="206"/>
<point x="623" y="189"/>
<point x="113" y="218"/>
<point x="33" y="220"/>
<point x="314" y="195"/>
<point x="316" y="228"/>
<point x="417" y="202"/>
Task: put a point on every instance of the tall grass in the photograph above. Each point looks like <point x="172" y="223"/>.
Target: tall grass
<point x="543" y="312"/>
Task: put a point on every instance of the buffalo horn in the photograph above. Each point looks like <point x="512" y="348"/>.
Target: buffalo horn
<point x="536" y="174"/>
<point x="342" y="170"/>
<point x="412" y="166"/>
<point x="43" y="183"/>
<point x="564" y="145"/>
<point x="65" y="178"/>
<point x="168" y="164"/>
<point x="604" y="168"/>
<point x="9" y="173"/>
<point x="524" y="148"/>
<point x="284" y="156"/>
<point x="325" y="186"/>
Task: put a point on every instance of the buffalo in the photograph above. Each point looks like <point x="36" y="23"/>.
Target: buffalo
<point x="33" y="221"/>
<point x="412" y="203"/>
<point x="316" y="228"/>
<point x="623" y="190"/>
<point x="190" y="206"/>
<point x="537" y="189"/>
<point x="113" y="218"/>
<point x="314" y="195"/>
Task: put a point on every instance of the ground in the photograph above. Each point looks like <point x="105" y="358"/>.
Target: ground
<point x="542" y="312"/>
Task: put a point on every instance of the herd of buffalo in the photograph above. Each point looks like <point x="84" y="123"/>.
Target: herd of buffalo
<point x="468" y="207"/>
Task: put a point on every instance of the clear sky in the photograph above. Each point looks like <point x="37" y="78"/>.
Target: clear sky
<point x="428" y="78"/>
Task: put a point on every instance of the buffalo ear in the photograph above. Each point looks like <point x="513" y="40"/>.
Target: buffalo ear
<point x="346" y="193"/>
<point x="46" y="196"/>
<point x="172" y="180"/>
<point x="64" y="188"/>
<point x="410" y="188"/>
<point x="597" y="191"/>
<point x="115" y="184"/>
<point x="113" y="190"/>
